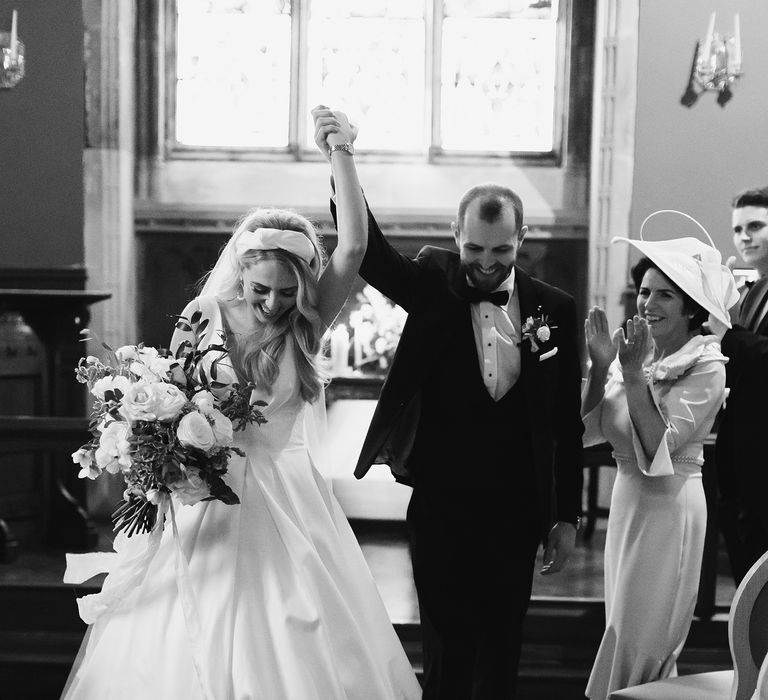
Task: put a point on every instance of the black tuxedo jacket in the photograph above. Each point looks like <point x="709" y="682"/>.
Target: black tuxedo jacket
<point x="740" y="447"/>
<point x="751" y="308"/>
<point x="430" y="288"/>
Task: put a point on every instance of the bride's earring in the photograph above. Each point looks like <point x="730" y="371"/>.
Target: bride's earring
<point x="240" y="295"/>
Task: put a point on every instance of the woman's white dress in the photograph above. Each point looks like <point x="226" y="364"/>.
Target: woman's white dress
<point x="658" y="516"/>
<point x="276" y="603"/>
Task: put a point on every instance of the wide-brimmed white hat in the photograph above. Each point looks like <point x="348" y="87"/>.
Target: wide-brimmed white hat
<point x="693" y="265"/>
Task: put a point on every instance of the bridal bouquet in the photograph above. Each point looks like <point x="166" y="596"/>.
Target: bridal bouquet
<point x="164" y="423"/>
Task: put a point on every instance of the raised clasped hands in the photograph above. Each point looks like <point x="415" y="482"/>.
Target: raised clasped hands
<point x="332" y="127"/>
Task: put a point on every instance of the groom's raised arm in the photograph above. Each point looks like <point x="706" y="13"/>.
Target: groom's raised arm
<point x="392" y="273"/>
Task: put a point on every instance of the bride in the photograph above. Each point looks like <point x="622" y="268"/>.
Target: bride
<point x="272" y="599"/>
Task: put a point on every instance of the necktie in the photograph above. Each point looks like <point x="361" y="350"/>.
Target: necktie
<point x="474" y="295"/>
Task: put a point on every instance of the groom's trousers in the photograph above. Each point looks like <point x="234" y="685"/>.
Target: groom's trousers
<point x="475" y="523"/>
<point x="474" y="586"/>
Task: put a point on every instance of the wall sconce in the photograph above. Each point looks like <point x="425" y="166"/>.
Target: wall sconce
<point x="12" y="54"/>
<point x="716" y="64"/>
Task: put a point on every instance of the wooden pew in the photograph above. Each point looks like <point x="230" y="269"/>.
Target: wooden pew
<point x="70" y="526"/>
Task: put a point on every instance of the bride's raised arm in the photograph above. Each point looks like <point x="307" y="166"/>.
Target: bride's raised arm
<point x="335" y="137"/>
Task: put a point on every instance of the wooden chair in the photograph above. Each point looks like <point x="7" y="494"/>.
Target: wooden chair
<point x="748" y="640"/>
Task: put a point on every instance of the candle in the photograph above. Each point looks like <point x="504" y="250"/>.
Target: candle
<point x="736" y="40"/>
<point x="707" y="48"/>
<point x="339" y="350"/>
<point x="14" y="39"/>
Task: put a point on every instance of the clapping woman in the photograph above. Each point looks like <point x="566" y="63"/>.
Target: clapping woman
<point x="653" y="392"/>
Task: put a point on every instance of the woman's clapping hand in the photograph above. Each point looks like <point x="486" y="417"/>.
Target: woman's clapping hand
<point x="600" y="345"/>
<point x="633" y="348"/>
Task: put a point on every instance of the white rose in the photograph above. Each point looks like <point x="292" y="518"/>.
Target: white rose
<point x="169" y="400"/>
<point x="127" y="352"/>
<point x="195" y="431"/>
<point x="112" y="453"/>
<point x="147" y="353"/>
<point x="204" y="400"/>
<point x="88" y="468"/>
<point x="191" y="490"/>
<point x="189" y="495"/>
<point x="543" y="334"/>
<point x="222" y="428"/>
<point x="161" y="366"/>
<point x="139" y="402"/>
<point x="152" y="368"/>
<point x="110" y="383"/>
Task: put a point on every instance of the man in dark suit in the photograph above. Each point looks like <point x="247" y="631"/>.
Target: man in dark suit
<point x="480" y="414"/>
<point x="740" y="448"/>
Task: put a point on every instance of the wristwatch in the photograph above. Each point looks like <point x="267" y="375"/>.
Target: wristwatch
<point x="346" y="147"/>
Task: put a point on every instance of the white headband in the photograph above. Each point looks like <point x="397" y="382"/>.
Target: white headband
<point x="274" y="238"/>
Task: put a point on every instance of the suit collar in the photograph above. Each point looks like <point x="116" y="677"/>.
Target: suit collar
<point x="526" y="294"/>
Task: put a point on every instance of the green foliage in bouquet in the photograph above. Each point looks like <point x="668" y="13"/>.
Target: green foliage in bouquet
<point x="165" y="422"/>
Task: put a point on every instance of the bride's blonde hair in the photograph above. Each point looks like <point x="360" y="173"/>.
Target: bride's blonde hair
<point x="260" y="352"/>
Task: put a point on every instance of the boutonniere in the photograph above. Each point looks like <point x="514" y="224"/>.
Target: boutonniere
<point x="537" y="329"/>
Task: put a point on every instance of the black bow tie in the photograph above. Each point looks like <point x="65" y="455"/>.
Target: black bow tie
<point x="473" y="295"/>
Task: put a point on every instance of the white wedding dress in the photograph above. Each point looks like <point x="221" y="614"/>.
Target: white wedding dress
<point x="273" y="599"/>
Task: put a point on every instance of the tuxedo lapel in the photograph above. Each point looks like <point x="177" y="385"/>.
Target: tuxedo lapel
<point x="529" y="306"/>
<point x="753" y="303"/>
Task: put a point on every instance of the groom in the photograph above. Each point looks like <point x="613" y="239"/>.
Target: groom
<point x="480" y="414"/>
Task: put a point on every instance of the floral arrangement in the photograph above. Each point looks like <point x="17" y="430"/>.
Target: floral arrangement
<point x="376" y="325"/>
<point x="164" y="423"/>
<point x="537" y="330"/>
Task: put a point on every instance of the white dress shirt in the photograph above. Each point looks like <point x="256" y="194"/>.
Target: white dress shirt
<point x="497" y="334"/>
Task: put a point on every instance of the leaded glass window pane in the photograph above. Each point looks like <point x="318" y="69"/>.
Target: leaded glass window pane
<point x="233" y="73"/>
<point x="498" y="72"/>
<point x="498" y="80"/>
<point x="522" y="9"/>
<point x="368" y="59"/>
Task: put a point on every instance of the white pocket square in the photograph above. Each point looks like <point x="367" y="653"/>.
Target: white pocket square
<point x="547" y="355"/>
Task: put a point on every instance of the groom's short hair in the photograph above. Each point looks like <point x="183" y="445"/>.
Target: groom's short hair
<point x="492" y="198"/>
<point x="753" y="197"/>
